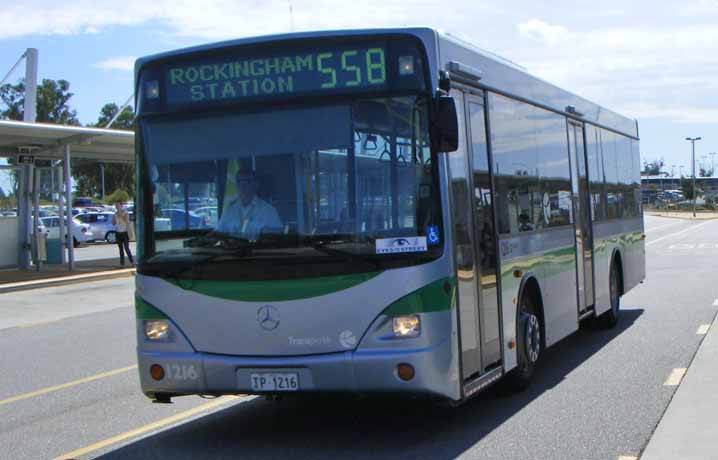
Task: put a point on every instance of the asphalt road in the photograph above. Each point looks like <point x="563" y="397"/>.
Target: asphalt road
<point x="598" y="395"/>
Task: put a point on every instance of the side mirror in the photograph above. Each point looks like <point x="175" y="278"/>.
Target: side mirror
<point x="445" y="132"/>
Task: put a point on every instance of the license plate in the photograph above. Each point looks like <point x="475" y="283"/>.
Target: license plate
<point x="275" y="382"/>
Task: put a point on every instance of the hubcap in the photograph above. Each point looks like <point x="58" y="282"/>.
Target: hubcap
<point x="533" y="338"/>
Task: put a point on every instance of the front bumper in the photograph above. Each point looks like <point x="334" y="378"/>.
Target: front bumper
<point x="352" y="371"/>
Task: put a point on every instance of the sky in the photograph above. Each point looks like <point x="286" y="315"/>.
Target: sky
<point x="652" y="60"/>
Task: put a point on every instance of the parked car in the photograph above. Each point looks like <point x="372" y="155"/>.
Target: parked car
<point x="45" y="213"/>
<point x="178" y="219"/>
<point x="84" y="202"/>
<point x="100" y="225"/>
<point x="80" y="232"/>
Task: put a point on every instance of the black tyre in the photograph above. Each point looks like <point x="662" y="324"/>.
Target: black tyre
<point x="609" y="319"/>
<point x="75" y="243"/>
<point x="529" y="345"/>
<point x="111" y="237"/>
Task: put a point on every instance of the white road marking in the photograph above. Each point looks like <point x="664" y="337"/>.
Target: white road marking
<point x="703" y="329"/>
<point x="715" y="302"/>
<point x="627" y="457"/>
<point x="691" y="246"/>
<point x="147" y="428"/>
<point x="91" y="378"/>
<point x="650" y="229"/>
<point x="675" y="378"/>
<point x="678" y="232"/>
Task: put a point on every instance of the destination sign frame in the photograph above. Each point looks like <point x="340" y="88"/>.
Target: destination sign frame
<point x="285" y="71"/>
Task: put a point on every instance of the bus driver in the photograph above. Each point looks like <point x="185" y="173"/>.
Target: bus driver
<point x="247" y="214"/>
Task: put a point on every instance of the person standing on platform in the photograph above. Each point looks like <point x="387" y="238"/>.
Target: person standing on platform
<point x="121" y="221"/>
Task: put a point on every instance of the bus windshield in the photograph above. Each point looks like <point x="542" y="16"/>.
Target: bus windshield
<point x="332" y="181"/>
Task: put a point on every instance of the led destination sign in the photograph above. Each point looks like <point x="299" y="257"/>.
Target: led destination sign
<point x="308" y="71"/>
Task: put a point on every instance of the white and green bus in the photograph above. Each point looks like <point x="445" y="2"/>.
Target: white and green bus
<point x="392" y="211"/>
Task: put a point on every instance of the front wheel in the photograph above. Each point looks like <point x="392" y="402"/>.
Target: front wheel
<point x="111" y="237"/>
<point x="609" y="319"/>
<point x="528" y="345"/>
<point x="75" y="243"/>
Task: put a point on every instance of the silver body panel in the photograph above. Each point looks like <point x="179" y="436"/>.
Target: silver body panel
<point x="305" y="326"/>
<point x="371" y="367"/>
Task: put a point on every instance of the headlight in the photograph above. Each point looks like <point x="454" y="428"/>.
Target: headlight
<point x="406" y="326"/>
<point x="157" y="330"/>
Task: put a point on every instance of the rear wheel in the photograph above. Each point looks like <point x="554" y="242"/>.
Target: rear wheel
<point x="528" y="344"/>
<point x="111" y="237"/>
<point x="609" y="319"/>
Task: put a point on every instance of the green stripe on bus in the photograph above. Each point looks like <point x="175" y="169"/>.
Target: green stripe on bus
<point x="144" y="310"/>
<point x="430" y="298"/>
<point x="273" y="290"/>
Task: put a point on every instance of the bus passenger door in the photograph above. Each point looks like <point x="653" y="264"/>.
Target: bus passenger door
<point x="463" y="232"/>
<point x="487" y="275"/>
<point x="582" y="219"/>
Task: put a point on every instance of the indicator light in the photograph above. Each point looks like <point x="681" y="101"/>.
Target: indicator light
<point x="406" y="65"/>
<point x="405" y="371"/>
<point x="157" y="372"/>
<point x="152" y="89"/>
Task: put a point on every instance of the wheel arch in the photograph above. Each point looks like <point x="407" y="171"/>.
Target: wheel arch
<point x="617" y="260"/>
<point x="530" y="286"/>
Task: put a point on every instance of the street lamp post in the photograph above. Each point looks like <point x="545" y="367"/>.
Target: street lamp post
<point x="713" y="154"/>
<point x="693" y="168"/>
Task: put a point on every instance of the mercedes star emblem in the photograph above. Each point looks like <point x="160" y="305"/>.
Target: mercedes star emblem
<point x="268" y="317"/>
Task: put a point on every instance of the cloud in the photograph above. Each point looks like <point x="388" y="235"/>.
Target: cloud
<point x="644" y="70"/>
<point x="43" y="17"/>
<point x="661" y="64"/>
<point x="123" y="63"/>
<point x="543" y="32"/>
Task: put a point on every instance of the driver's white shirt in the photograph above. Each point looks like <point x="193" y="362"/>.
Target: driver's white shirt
<point x="248" y="221"/>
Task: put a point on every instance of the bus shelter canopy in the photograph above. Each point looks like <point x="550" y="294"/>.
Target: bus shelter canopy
<point x="46" y="141"/>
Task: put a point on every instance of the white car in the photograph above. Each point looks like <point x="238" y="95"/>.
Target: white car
<point x="80" y="232"/>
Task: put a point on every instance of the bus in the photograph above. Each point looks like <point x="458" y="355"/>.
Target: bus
<point x="397" y="212"/>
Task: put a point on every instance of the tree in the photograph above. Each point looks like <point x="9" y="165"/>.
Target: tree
<point x="87" y="174"/>
<point x="52" y="106"/>
<point x="705" y="172"/>
<point x="52" y="102"/>
<point x="652" y="168"/>
<point x="687" y="188"/>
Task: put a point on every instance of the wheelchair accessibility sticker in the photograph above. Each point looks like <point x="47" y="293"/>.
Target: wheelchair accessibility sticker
<point x="401" y="244"/>
<point x="432" y="235"/>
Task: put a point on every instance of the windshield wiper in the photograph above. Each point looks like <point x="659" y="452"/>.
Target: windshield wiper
<point x="322" y="246"/>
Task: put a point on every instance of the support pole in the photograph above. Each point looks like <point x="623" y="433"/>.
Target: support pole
<point x="23" y="213"/>
<point x="30" y="109"/>
<point x="68" y="207"/>
<point x="25" y="173"/>
<point x="693" y="165"/>
<point x="36" y="221"/>
<point x="60" y="206"/>
<point x="102" y="177"/>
